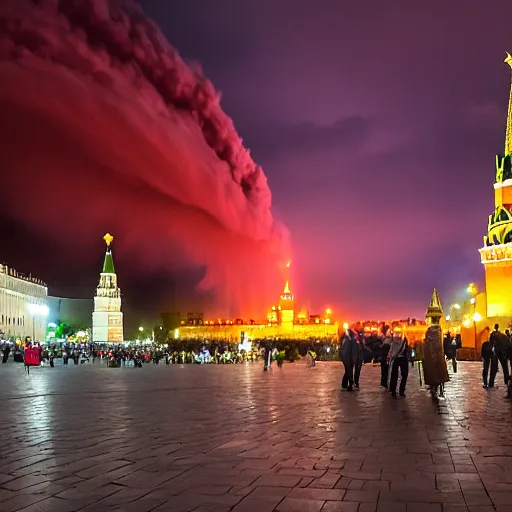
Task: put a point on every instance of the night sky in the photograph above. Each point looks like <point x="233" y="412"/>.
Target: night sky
<point x="376" y="124"/>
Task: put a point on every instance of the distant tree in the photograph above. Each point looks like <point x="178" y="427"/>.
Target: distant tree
<point x="161" y="334"/>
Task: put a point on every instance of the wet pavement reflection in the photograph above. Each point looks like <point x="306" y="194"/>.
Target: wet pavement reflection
<point x="218" y="438"/>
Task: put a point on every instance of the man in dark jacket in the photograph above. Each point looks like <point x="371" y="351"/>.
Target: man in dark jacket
<point x="384" y="363"/>
<point x="450" y="349"/>
<point x="500" y="344"/>
<point x="360" y="359"/>
<point x="349" y="355"/>
<point x="490" y="363"/>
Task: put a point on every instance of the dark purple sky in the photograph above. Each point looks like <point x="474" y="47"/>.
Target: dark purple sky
<point x="376" y="123"/>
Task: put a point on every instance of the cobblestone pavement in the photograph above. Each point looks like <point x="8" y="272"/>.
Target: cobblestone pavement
<point x="219" y="438"/>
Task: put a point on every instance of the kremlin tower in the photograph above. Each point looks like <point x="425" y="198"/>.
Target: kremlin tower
<point x="496" y="254"/>
<point x="107" y="319"/>
<point x="286" y="307"/>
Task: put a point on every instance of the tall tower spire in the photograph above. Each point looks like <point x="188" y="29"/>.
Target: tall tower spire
<point x="108" y="262"/>
<point x="286" y="303"/>
<point x="508" y="136"/>
<point x="107" y="319"/>
<point x="496" y="254"/>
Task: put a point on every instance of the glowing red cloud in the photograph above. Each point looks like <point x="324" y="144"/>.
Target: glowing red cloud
<point x="103" y="125"/>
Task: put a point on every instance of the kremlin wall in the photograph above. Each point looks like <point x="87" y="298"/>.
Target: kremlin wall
<point x="282" y="322"/>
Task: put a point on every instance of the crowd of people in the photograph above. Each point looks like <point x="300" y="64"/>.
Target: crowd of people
<point x="395" y="355"/>
<point x="391" y="351"/>
<point x="36" y="354"/>
<point x="496" y="351"/>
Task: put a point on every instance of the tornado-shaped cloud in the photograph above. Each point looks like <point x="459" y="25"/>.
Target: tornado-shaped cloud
<point x="117" y="132"/>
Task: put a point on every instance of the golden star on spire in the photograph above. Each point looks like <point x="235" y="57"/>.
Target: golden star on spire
<point x="508" y="60"/>
<point x="108" y="239"/>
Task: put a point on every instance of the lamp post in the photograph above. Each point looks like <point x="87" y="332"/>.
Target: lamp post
<point x="472" y="301"/>
<point x="37" y="310"/>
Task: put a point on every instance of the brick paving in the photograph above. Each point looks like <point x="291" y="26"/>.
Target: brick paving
<point x="220" y="438"/>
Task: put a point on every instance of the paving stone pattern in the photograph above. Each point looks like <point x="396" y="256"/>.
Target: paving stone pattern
<point x="220" y="438"/>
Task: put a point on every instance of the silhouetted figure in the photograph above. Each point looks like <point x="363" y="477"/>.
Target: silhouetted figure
<point x="384" y="363"/>
<point x="489" y="361"/>
<point x="500" y="344"/>
<point x="6" y="352"/>
<point x="360" y="360"/>
<point x="399" y="360"/>
<point x="450" y="349"/>
<point x="349" y="355"/>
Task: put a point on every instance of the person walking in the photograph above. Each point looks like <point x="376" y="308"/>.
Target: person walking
<point x="384" y="365"/>
<point x="399" y="360"/>
<point x="349" y="355"/>
<point x="489" y="361"/>
<point x="500" y="344"/>
<point x="509" y="351"/>
<point x="434" y="363"/>
<point x="450" y="350"/>
<point x="6" y="352"/>
<point x="267" y="355"/>
<point x="360" y="359"/>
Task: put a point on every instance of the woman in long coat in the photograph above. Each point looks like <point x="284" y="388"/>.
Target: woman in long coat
<point x="434" y="363"/>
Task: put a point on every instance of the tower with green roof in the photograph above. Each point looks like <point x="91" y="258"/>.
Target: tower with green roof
<point x="107" y="318"/>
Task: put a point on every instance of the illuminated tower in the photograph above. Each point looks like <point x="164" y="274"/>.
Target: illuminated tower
<point x="287" y="307"/>
<point x="497" y="251"/>
<point x="435" y="310"/>
<point x="107" y="319"/>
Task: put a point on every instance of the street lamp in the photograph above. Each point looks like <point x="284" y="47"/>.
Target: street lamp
<point x="472" y="289"/>
<point x="41" y="310"/>
<point x="476" y="316"/>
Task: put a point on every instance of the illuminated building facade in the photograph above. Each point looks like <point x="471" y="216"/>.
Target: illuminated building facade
<point x="23" y="305"/>
<point x="496" y="254"/>
<point x="282" y="322"/>
<point x="107" y="318"/>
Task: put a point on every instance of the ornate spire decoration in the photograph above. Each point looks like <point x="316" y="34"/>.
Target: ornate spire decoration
<point x="434" y="310"/>
<point x="108" y="239"/>
<point x="508" y="137"/>
<point x="108" y="263"/>
<point x="287" y="290"/>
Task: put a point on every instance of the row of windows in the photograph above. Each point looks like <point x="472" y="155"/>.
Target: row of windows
<point x="10" y="320"/>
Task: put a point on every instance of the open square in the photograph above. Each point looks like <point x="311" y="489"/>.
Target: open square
<point x="232" y="437"/>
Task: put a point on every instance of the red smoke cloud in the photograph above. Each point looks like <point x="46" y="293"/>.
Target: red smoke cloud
<point x="104" y="126"/>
